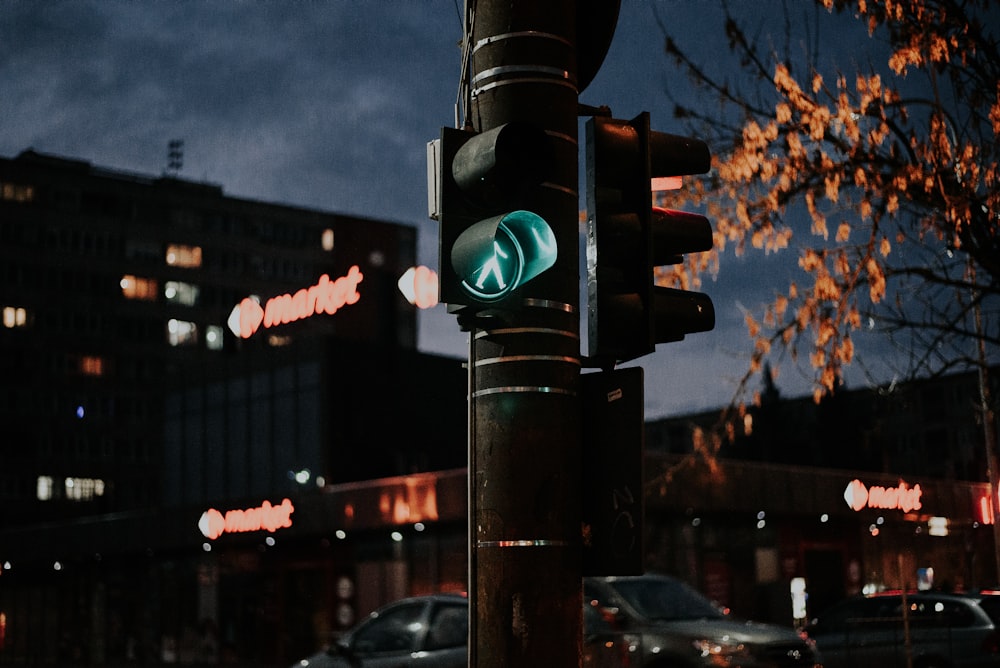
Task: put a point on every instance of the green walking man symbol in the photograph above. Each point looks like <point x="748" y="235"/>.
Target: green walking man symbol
<point x="492" y="267"/>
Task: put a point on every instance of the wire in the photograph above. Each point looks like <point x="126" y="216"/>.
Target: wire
<point x="462" y="99"/>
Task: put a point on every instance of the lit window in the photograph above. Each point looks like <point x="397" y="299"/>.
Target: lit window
<point x="327" y="239"/>
<point x="13" y="192"/>
<point x="181" y="333"/>
<point x="213" y="337"/>
<point x="83" y="489"/>
<point x="14" y="316"/>
<point x="134" y="287"/>
<point x="181" y="293"/>
<point x="92" y="365"/>
<point x="44" y="487"/>
<point x="179" y="255"/>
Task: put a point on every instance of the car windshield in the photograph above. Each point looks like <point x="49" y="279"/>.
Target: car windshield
<point x="666" y="600"/>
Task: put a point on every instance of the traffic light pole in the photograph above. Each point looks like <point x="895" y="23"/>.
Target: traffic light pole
<point x="524" y="363"/>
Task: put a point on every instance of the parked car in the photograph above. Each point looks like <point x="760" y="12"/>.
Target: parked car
<point x="422" y="632"/>
<point x="938" y="629"/>
<point x="665" y="622"/>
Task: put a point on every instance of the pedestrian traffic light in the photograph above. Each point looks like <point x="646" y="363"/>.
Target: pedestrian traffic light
<point x="482" y="189"/>
<point x="627" y="238"/>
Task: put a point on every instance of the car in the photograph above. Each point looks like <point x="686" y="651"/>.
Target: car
<point x="665" y="622"/>
<point x="422" y="632"/>
<point x="941" y="629"/>
<point x="432" y="632"/>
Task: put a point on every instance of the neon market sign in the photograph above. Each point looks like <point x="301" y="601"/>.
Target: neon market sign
<point x="265" y="517"/>
<point x="326" y="296"/>
<point x="902" y="497"/>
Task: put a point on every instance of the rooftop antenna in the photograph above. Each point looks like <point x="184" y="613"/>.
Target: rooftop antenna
<point x="175" y="156"/>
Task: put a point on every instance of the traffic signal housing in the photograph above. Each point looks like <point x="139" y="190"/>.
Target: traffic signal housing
<point x="627" y="238"/>
<point x="481" y="187"/>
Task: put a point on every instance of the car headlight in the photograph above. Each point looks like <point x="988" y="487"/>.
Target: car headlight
<point x="722" y="648"/>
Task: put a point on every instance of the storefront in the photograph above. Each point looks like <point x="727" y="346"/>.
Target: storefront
<point x="252" y="584"/>
<point x="745" y="532"/>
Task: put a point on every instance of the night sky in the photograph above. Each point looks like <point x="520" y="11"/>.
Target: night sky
<point x="329" y="105"/>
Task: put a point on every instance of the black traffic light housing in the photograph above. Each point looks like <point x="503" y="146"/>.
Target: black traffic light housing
<point x="627" y="238"/>
<point x="481" y="188"/>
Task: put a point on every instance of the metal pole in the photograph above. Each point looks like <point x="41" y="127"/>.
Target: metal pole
<point x="525" y="580"/>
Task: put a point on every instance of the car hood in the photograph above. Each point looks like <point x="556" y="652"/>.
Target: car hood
<point x="755" y="633"/>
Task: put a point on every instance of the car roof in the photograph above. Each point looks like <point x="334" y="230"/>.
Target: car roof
<point x="966" y="598"/>
<point x="440" y="596"/>
<point x="930" y="593"/>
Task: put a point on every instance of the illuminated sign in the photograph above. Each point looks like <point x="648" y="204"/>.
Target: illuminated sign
<point x="902" y="497"/>
<point x="985" y="510"/>
<point x="264" y="517"/>
<point x="326" y="296"/>
<point x="420" y="286"/>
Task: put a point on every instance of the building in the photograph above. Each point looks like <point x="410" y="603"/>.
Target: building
<point x="867" y="490"/>
<point x="115" y="286"/>
<point x="171" y="354"/>
<point x="928" y="427"/>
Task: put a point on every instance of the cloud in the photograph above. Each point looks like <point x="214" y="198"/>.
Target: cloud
<point x="259" y="91"/>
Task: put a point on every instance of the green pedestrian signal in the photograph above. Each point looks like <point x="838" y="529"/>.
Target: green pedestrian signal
<point x="481" y="188"/>
<point x="495" y="256"/>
